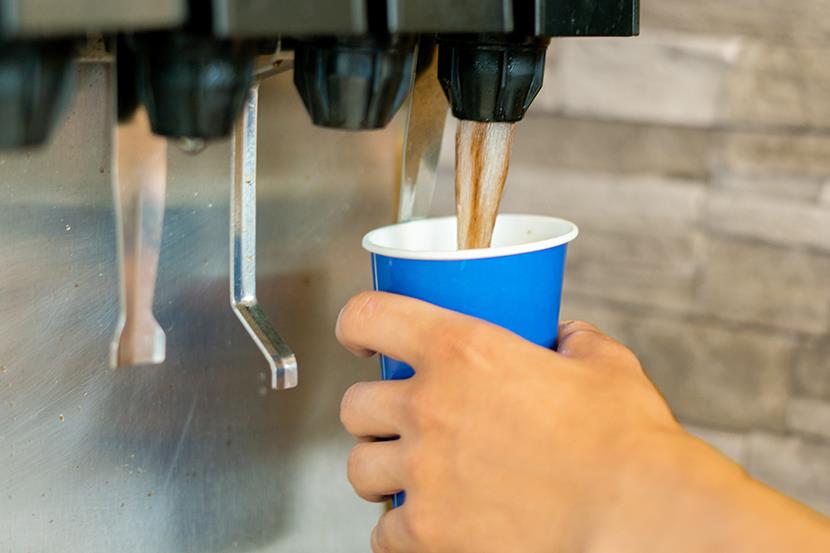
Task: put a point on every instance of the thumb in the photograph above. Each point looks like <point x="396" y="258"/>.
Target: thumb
<point x="581" y="340"/>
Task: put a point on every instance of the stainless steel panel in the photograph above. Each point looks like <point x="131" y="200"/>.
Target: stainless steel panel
<point x="271" y="17"/>
<point x="192" y="455"/>
<point x="33" y="17"/>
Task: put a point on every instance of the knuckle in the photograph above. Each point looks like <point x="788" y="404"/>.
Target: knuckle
<point x="377" y="540"/>
<point x="381" y="540"/>
<point x="412" y="403"/>
<point x="624" y="356"/>
<point x="420" y="524"/>
<point x="355" y="465"/>
<point x="420" y="470"/>
<point x="477" y="335"/>
<point x="459" y="343"/>
<point x="357" y="307"/>
<point x="423" y="409"/>
<point x="347" y="404"/>
<point x="411" y="465"/>
<point x="630" y="357"/>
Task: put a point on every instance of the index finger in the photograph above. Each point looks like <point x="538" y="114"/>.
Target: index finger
<point x="398" y="326"/>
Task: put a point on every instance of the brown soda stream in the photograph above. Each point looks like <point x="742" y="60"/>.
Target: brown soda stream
<point x="482" y="158"/>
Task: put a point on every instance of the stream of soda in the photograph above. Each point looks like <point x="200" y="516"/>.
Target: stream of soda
<point x="482" y="158"/>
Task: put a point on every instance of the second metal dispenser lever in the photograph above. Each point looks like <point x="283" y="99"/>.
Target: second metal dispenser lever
<point x="280" y="358"/>
<point x="426" y="117"/>
<point x="139" y="183"/>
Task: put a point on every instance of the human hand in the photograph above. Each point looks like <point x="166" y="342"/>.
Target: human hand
<point x="506" y="446"/>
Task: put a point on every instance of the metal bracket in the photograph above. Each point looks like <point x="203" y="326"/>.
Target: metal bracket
<point x="278" y="354"/>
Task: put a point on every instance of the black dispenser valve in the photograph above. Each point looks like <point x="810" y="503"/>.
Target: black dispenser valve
<point x="491" y="78"/>
<point x="354" y="82"/>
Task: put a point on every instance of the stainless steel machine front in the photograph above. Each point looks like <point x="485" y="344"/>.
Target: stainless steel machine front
<point x="122" y="249"/>
<point x="191" y="455"/>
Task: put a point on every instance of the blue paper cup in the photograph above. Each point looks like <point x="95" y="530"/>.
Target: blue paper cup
<point x="516" y="283"/>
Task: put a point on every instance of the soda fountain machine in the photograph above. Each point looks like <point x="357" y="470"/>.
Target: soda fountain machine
<point x="179" y="449"/>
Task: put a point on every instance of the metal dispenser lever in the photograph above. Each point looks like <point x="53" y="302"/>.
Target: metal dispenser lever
<point x="277" y="353"/>
<point x="427" y="114"/>
<point x="139" y="183"/>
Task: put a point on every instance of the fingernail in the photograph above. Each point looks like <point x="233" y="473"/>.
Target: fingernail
<point x="337" y="322"/>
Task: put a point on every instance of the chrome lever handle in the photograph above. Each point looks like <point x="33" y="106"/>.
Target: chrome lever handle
<point x="427" y="109"/>
<point x="139" y="185"/>
<point x="278" y="354"/>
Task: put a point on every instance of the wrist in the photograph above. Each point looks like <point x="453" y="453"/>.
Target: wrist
<point x="664" y="493"/>
<point x="679" y="495"/>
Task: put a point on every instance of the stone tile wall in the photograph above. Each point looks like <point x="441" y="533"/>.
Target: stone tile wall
<point x="696" y="160"/>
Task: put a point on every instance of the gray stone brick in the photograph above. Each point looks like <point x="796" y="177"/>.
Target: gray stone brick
<point x="602" y="201"/>
<point x="659" y="77"/>
<point x="804" y="21"/>
<point x="644" y="267"/>
<point x="812" y="371"/>
<point x="609" y="201"/>
<point x="613" y="320"/>
<point x="715" y="375"/>
<point x="779" y="85"/>
<point x="638" y="240"/>
<point x="711" y="375"/>
<point x="778" y="287"/>
<point x="810" y="417"/>
<point x="773" y="153"/>
<point x="786" y="187"/>
<point x="795" y="467"/>
<point x="603" y="146"/>
<point x="731" y="444"/>
<point x="778" y="221"/>
<point x="613" y="147"/>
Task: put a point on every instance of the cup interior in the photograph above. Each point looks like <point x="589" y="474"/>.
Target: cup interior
<point x="435" y="239"/>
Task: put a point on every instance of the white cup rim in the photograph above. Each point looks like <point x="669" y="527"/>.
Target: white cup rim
<point x="566" y="231"/>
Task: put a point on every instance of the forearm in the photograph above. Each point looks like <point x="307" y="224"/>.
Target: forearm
<point x="688" y="498"/>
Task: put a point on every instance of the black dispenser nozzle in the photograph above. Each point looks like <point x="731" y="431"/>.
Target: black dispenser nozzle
<point x="491" y="78"/>
<point x="495" y="77"/>
<point x="35" y="84"/>
<point x="355" y="82"/>
<point x="192" y="82"/>
<point x="193" y="85"/>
